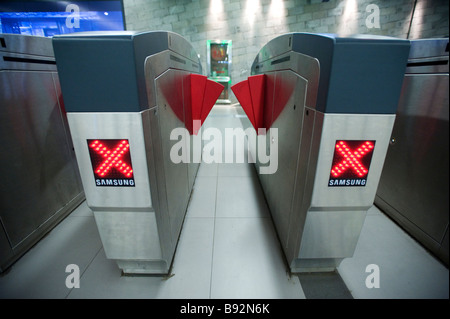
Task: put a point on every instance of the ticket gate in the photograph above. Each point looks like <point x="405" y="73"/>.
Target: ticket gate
<point x="326" y="105"/>
<point x="40" y="184"/>
<point x="414" y="185"/>
<point x="125" y="93"/>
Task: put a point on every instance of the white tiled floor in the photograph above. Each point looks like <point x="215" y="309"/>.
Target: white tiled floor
<point x="228" y="249"/>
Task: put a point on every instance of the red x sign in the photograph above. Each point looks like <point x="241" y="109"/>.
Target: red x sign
<point x="111" y="162"/>
<point x="351" y="162"/>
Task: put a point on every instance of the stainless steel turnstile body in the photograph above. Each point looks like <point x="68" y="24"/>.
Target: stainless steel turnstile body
<point x="127" y="91"/>
<point x="40" y="183"/>
<point x="326" y="97"/>
<point x="414" y="185"/>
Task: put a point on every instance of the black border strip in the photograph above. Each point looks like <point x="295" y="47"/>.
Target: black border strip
<point x="27" y="60"/>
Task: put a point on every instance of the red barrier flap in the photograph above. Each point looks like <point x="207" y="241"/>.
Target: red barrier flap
<point x="269" y="97"/>
<point x="250" y="94"/>
<point x="256" y="85"/>
<point x="212" y="93"/>
<point x="187" y="103"/>
<point x="204" y="94"/>
<point x="198" y="86"/>
<point x="242" y="92"/>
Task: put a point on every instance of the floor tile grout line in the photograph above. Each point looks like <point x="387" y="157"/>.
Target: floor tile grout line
<point x="214" y="233"/>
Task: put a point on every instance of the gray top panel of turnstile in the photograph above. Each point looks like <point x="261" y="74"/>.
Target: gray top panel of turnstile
<point x="104" y="71"/>
<point x="26" y="52"/>
<point x="429" y="48"/>
<point x="428" y="56"/>
<point x="362" y="74"/>
<point x="26" y="44"/>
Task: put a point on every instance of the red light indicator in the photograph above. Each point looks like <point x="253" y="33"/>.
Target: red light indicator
<point x="351" y="162"/>
<point x="111" y="162"/>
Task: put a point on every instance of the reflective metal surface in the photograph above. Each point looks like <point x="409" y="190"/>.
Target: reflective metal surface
<point x="414" y="185"/>
<point x="132" y="237"/>
<point x="40" y="179"/>
<point x="318" y="225"/>
<point x="24" y="52"/>
<point x="351" y="127"/>
<point x="158" y="63"/>
<point x="176" y="177"/>
<point x="302" y="64"/>
<point x="140" y="225"/>
<point x="123" y="125"/>
<point x="280" y="187"/>
<point x="168" y="88"/>
<point x="336" y="215"/>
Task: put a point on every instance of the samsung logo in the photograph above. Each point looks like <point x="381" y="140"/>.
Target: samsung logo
<point x="114" y="182"/>
<point x="347" y="182"/>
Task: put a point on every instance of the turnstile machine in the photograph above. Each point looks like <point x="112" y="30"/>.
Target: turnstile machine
<point x="125" y="93"/>
<point x="40" y="182"/>
<point x="326" y="105"/>
<point x="414" y="184"/>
